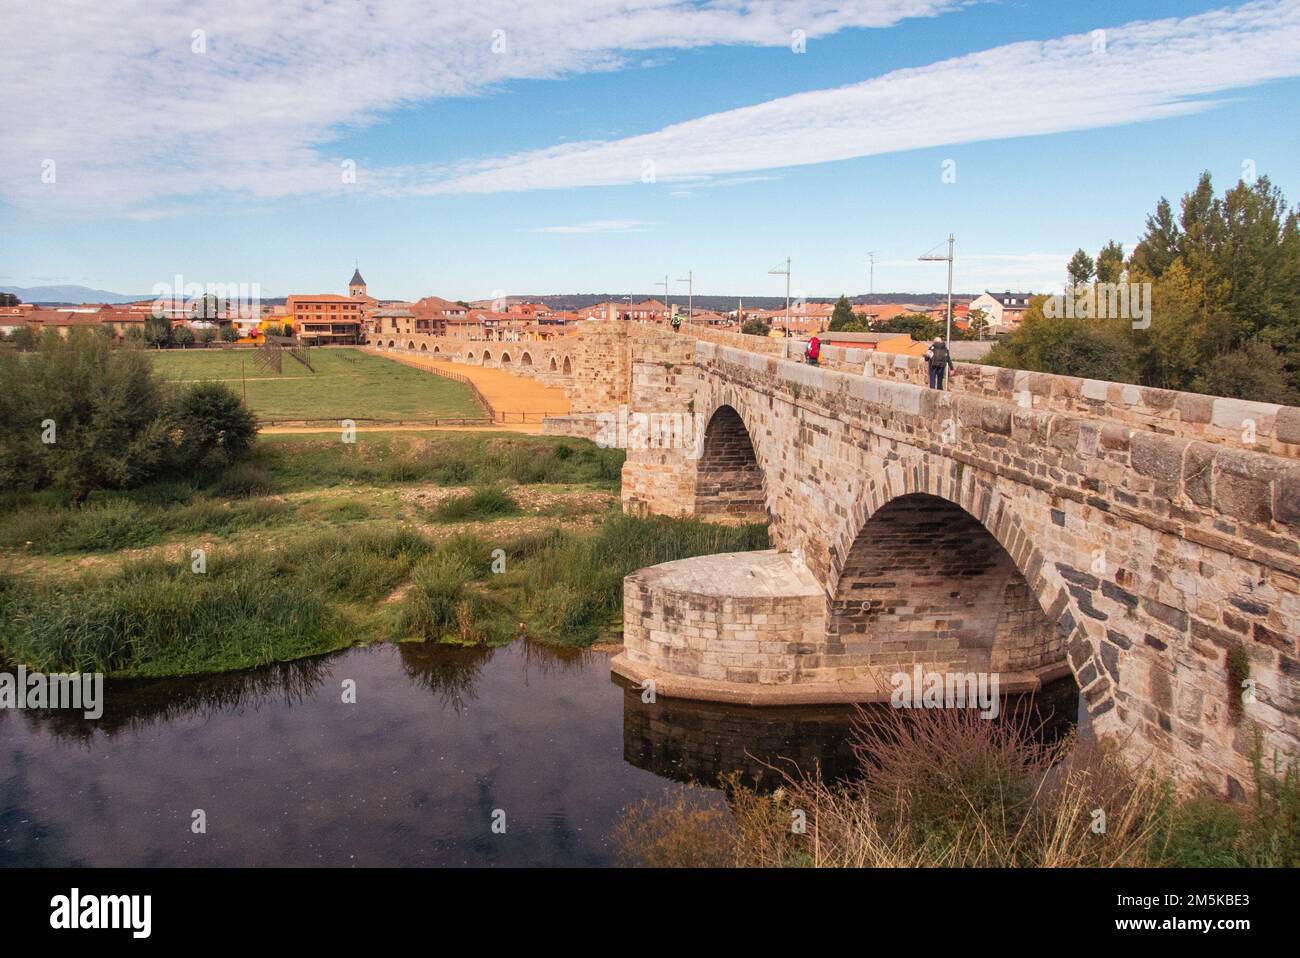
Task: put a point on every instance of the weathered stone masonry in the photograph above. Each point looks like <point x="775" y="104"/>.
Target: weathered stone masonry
<point x="1139" y="536"/>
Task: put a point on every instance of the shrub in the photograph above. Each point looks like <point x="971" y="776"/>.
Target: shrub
<point x="111" y="422"/>
<point x="210" y="428"/>
<point x="484" y="503"/>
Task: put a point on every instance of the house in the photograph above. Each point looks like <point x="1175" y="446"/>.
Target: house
<point x="1004" y="310"/>
<point x="329" y="319"/>
<point x="326" y="319"/>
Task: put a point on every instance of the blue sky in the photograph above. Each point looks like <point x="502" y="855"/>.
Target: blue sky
<point x="523" y="169"/>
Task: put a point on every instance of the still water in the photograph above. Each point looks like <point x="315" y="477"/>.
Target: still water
<point x="438" y="741"/>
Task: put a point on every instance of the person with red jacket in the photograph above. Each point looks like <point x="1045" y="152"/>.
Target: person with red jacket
<point x="813" y="350"/>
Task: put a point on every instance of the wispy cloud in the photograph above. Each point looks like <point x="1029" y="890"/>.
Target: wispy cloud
<point x="145" y="105"/>
<point x="1137" y="72"/>
<point x="597" y="226"/>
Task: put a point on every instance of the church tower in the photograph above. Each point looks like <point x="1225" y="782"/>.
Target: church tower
<point x="357" y="288"/>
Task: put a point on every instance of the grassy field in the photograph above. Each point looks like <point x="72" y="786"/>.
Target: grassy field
<point x="312" y="545"/>
<point x="347" y="384"/>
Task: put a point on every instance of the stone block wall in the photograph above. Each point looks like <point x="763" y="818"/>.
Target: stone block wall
<point x="694" y="620"/>
<point x="1151" y="555"/>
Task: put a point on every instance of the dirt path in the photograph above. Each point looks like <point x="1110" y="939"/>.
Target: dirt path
<point x="528" y="427"/>
<point x="506" y="392"/>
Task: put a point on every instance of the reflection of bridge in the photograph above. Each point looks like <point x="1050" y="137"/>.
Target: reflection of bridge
<point x="692" y="740"/>
<point x="1020" y="523"/>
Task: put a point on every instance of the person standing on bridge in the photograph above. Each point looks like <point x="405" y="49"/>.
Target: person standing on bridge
<point x="939" y="360"/>
<point x="813" y="350"/>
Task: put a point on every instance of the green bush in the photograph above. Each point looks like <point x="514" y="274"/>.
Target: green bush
<point x="487" y="502"/>
<point x="79" y="416"/>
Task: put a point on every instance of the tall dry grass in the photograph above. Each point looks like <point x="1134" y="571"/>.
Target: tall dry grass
<point x="944" y="788"/>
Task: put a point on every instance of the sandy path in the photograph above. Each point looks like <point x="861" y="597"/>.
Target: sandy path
<point x="506" y="392"/>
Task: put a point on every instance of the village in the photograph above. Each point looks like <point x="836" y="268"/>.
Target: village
<point x="359" y="319"/>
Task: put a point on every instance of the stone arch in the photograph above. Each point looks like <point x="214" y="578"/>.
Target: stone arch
<point x="424" y="347"/>
<point x="469" y="357"/>
<point x="505" y="359"/>
<point x="568" y="367"/>
<point x="554" y="365"/>
<point x="437" y="348"/>
<point x="391" y="344"/>
<point x="728" y="477"/>
<point x="410" y="344"/>
<point x="526" y="359"/>
<point x="925" y="577"/>
<point x="487" y="356"/>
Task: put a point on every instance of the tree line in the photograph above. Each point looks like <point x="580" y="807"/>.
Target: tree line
<point x="1224" y="275"/>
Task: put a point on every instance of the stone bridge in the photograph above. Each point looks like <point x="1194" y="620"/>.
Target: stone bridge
<point x="1030" y="525"/>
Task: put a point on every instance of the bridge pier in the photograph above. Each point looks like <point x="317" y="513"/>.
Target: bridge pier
<point x="751" y="628"/>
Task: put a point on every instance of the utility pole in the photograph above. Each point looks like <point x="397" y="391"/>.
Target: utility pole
<point x="668" y="311"/>
<point x="948" y="259"/>
<point x="871" y="284"/>
<point x="786" y="273"/>
<point x="690" y="294"/>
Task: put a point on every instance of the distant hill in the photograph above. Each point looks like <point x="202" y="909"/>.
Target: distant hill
<point x="68" y="295"/>
<point x="574" y="301"/>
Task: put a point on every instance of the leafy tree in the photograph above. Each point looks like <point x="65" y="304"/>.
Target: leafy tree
<point x="229" y="334"/>
<point x="158" y="331"/>
<point x="1080" y="268"/>
<point x="105" y="408"/>
<point x="756" y="327"/>
<point x="210" y="308"/>
<point x="134" y="335"/>
<point x="183" y="335"/>
<point x="210" y="428"/>
<point x="208" y="335"/>
<point x="9" y="299"/>
<point x="1092" y="349"/>
<point x="977" y="323"/>
<point x="842" y="315"/>
<point x="23" y="337"/>
<point x="917" y="325"/>
<point x="288" y="329"/>
<point x="1255" y="371"/>
<point x="1156" y="251"/>
<point x="1224" y="280"/>
<point x="112" y="421"/>
<point x="1110" y="263"/>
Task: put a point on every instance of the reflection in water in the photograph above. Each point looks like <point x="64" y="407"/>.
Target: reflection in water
<point x="702" y="742"/>
<point x="132" y="704"/>
<point x="289" y="774"/>
<point x="410" y="774"/>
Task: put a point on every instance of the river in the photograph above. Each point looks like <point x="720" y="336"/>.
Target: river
<point x="440" y="744"/>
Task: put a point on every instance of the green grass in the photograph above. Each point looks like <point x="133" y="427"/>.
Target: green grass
<point x="347" y="384"/>
<point x="114" y="522"/>
<point x="323" y="591"/>
<point x="251" y="608"/>
<point x="486" y="502"/>
<point x="238" y="499"/>
<point x="447" y="459"/>
<point x="566" y="588"/>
